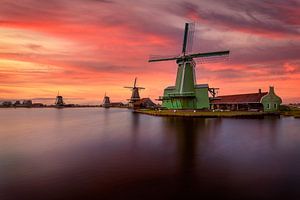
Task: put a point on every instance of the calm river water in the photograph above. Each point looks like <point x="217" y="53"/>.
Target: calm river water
<point x="95" y="153"/>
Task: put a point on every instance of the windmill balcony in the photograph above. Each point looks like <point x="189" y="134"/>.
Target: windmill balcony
<point x="177" y="95"/>
<point x="183" y="94"/>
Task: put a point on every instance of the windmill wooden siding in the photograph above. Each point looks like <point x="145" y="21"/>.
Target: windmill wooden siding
<point x="271" y="101"/>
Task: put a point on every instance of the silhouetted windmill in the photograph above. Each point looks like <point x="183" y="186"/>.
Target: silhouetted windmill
<point x="106" y="101"/>
<point x="186" y="94"/>
<point x="59" y="102"/>
<point x="135" y="96"/>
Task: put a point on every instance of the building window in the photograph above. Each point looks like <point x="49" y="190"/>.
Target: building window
<point x="268" y="106"/>
<point x="275" y="106"/>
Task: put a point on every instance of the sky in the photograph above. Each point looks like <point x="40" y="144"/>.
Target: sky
<point x="84" y="48"/>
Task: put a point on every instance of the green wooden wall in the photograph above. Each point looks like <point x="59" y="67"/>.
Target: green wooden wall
<point x="271" y="101"/>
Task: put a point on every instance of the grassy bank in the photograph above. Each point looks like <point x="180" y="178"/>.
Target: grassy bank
<point x="207" y="114"/>
<point x="294" y="113"/>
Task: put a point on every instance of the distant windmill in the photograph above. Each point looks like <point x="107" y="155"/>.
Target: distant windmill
<point x="186" y="94"/>
<point x="59" y="102"/>
<point x="106" y="101"/>
<point x="135" y="96"/>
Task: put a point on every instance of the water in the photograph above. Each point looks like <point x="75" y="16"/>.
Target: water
<point x="94" y="153"/>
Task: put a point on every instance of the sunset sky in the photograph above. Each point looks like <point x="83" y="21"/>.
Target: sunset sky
<point x="84" y="48"/>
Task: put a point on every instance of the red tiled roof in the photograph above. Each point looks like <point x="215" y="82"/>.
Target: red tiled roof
<point x="239" y="98"/>
<point x="144" y="101"/>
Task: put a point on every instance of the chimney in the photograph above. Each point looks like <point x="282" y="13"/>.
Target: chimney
<point x="259" y="91"/>
<point x="271" y="90"/>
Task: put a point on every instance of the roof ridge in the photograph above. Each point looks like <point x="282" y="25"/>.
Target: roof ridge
<point x="243" y="94"/>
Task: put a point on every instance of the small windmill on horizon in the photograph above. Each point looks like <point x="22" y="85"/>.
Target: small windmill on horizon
<point x="59" y="102"/>
<point x="186" y="94"/>
<point x="106" y="101"/>
<point x="135" y="96"/>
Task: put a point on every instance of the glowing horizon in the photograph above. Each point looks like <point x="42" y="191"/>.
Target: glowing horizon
<point x="87" y="48"/>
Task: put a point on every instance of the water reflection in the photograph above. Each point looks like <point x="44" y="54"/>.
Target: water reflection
<point x="135" y="128"/>
<point x="187" y="132"/>
<point x="116" y="154"/>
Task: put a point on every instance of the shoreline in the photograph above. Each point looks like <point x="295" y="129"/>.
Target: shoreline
<point x="206" y="114"/>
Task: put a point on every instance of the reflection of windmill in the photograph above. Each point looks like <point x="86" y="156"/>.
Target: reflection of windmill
<point x="135" y="96"/>
<point x="186" y="94"/>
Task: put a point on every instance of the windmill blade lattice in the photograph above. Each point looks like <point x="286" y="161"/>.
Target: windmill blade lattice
<point x="190" y="38"/>
<point x="212" y="59"/>
<point x="156" y="58"/>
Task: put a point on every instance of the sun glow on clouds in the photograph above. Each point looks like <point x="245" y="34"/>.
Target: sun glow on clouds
<point x="86" y="48"/>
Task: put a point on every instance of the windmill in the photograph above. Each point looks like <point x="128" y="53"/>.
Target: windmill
<point x="59" y="102"/>
<point x="135" y="96"/>
<point x="106" y="101"/>
<point x="186" y="94"/>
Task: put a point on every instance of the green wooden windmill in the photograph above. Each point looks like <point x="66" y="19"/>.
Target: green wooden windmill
<point x="186" y="94"/>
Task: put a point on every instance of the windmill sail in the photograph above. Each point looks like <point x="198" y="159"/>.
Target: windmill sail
<point x="190" y="38"/>
<point x="157" y="58"/>
<point x="187" y="45"/>
<point x="186" y="30"/>
<point x="210" y="54"/>
<point x="210" y="57"/>
<point x="134" y="85"/>
<point x="187" y="48"/>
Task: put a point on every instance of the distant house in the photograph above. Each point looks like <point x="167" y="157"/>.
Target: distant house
<point x="271" y="101"/>
<point x="7" y="103"/>
<point x="38" y="105"/>
<point x="17" y="103"/>
<point x="261" y="101"/>
<point x="144" y="103"/>
<point x="116" y="104"/>
<point x="27" y="103"/>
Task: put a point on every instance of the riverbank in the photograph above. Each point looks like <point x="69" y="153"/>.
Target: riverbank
<point x="206" y="114"/>
<point x="292" y="113"/>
